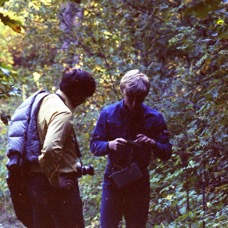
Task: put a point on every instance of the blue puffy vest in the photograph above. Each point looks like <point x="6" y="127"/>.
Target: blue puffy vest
<point x="23" y="140"/>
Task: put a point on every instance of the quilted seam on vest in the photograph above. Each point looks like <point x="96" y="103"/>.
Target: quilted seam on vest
<point x="23" y="140"/>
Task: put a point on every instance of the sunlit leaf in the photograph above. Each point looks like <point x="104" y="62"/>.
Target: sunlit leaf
<point x="16" y="25"/>
<point x="220" y="22"/>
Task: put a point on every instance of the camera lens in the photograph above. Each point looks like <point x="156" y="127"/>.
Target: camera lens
<point x="90" y="170"/>
<point x="85" y="170"/>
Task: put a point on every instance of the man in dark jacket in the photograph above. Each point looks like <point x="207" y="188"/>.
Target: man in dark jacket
<point x="127" y="132"/>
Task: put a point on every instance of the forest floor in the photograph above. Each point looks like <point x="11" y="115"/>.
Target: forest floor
<point x="7" y="215"/>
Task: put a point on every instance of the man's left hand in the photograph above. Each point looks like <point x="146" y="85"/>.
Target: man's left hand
<point x="143" y="139"/>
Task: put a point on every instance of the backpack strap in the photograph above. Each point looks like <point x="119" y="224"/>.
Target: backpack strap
<point x="33" y="145"/>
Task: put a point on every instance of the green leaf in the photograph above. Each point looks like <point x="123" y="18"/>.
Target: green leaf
<point x="16" y="25"/>
<point x="220" y="22"/>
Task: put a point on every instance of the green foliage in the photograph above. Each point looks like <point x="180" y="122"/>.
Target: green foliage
<point x="2" y="2"/>
<point x="7" y="86"/>
<point x="13" y="24"/>
<point x="181" y="45"/>
<point x="202" y="8"/>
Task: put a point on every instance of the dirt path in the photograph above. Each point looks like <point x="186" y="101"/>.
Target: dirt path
<point x="7" y="215"/>
<point x="9" y="222"/>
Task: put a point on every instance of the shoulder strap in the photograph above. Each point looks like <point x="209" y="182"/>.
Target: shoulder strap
<point x="78" y="152"/>
<point x="33" y="146"/>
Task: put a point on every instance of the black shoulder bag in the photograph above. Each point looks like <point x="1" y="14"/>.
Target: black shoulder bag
<point x="128" y="175"/>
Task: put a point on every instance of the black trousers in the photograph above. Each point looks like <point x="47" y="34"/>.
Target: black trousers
<point x="54" y="207"/>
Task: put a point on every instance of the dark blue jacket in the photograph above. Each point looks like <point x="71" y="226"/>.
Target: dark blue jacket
<point x="117" y="122"/>
<point x="23" y="140"/>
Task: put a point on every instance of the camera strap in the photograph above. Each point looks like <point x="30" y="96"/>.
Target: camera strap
<point x="77" y="150"/>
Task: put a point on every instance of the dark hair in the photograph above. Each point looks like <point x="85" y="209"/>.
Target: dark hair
<point x="77" y="82"/>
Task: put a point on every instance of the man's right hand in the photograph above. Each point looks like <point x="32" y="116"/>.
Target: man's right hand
<point x="117" y="144"/>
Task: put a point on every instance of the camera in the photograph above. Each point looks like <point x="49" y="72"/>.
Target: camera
<point x="84" y="170"/>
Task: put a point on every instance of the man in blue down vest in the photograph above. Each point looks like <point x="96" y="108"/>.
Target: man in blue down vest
<point x="127" y="132"/>
<point x="52" y="182"/>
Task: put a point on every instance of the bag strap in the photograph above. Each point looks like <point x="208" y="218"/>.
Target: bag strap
<point x="78" y="152"/>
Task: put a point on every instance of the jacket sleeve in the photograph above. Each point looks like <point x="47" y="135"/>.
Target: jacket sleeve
<point x="163" y="148"/>
<point x="58" y="130"/>
<point x="99" y="142"/>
